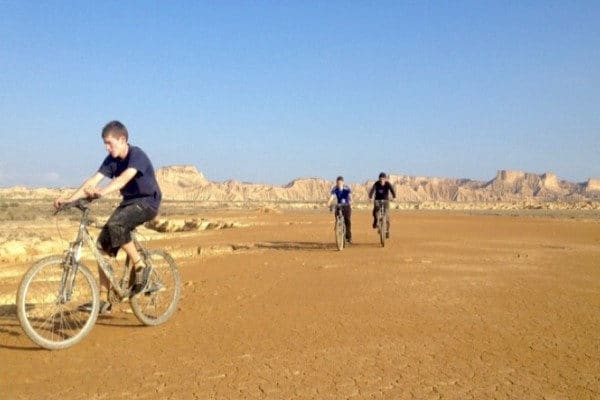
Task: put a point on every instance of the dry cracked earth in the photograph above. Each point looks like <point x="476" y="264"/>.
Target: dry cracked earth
<point x="455" y="306"/>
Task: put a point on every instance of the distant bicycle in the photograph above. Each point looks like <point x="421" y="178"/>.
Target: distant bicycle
<point x="55" y="295"/>
<point x="383" y="220"/>
<point x="340" y="228"/>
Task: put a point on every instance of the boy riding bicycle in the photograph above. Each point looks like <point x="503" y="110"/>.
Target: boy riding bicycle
<point x="133" y="175"/>
<point x="382" y="189"/>
<point x="342" y="194"/>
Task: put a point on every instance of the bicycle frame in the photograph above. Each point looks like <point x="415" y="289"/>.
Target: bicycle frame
<point x="73" y="258"/>
<point x="338" y="212"/>
<point x="339" y="216"/>
<point x="68" y="313"/>
<point x="382" y="209"/>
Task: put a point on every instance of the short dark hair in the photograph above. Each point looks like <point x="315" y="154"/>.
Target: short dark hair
<point x="339" y="178"/>
<point x="115" y="129"/>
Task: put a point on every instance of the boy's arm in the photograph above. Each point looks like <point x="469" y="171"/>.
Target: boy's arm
<point x="330" y="200"/>
<point x="371" y="192"/>
<point x="392" y="190"/>
<point x="116" y="184"/>
<point x="81" y="193"/>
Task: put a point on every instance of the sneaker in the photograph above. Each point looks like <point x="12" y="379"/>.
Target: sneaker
<point x="387" y="235"/>
<point x="349" y="241"/>
<point x="105" y="307"/>
<point x="374" y="224"/>
<point x="141" y="280"/>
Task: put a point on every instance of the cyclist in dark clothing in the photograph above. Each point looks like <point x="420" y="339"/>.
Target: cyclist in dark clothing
<point x="131" y="173"/>
<point x="382" y="189"/>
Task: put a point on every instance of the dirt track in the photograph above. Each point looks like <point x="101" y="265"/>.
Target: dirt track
<point x="456" y="307"/>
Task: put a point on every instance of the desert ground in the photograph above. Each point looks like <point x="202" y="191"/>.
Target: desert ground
<point x="457" y="305"/>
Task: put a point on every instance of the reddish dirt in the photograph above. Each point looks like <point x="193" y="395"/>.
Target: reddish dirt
<point x="455" y="307"/>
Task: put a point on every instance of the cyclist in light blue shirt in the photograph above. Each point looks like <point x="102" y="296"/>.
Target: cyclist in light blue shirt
<point x="342" y="194"/>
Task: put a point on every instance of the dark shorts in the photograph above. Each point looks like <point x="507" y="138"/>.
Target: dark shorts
<point x="117" y="230"/>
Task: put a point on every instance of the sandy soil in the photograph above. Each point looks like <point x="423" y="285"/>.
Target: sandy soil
<point x="456" y="307"/>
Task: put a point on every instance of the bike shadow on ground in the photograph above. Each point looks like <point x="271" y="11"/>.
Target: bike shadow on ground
<point x="12" y="336"/>
<point x="120" y="317"/>
<point x="359" y="245"/>
<point x="310" y="246"/>
<point x="296" y="246"/>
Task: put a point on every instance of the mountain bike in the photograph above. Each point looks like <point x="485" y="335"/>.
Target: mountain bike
<point x="383" y="220"/>
<point x="340" y="228"/>
<point x="58" y="300"/>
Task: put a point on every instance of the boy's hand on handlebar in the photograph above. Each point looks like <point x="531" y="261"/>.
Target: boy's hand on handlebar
<point x="59" y="202"/>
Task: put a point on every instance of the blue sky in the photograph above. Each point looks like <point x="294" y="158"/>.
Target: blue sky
<point x="270" y="91"/>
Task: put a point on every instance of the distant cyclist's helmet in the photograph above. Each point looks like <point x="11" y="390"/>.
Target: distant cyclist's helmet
<point x="382" y="175"/>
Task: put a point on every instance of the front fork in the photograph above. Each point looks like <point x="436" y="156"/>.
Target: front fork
<point x="382" y="219"/>
<point x="339" y="220"/>
<point x="70" y="268"/>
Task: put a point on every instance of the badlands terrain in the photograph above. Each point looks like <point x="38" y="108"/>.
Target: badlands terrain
<point x="486" y="290"/>
<point x="513" y="189"/>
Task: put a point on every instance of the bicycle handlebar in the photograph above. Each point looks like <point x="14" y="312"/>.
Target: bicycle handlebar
<point x="382" y="201"/>
<point x="81" y="204"/>
<point x="337" y="206"/>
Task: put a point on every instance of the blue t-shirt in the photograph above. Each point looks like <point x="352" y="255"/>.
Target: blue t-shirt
<point x="143" y="187"/>
<point x="343" y="194"/>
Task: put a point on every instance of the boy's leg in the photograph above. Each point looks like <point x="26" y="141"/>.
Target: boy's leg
<point x="140" y="269"/>
<point x="136" y="275"/>
<point x="106" y="248"/>
<point x="375" y="211"/>
<point x="387" y="216"/>
<point x="119" y="230"/>
<point x="347" y="219"/>
<point x="131" y="251"/>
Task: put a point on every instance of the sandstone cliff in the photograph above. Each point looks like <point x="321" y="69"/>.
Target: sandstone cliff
<point x="188" y="184"/>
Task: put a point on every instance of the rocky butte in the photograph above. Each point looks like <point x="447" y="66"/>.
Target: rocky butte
<point x="188" y="184"/>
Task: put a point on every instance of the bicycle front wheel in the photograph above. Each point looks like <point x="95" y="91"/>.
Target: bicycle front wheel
<point x="340" y="233"/>
<point x="382" y="229"/>
<point x="55" y="308"/>
<point x="158" y="302"/>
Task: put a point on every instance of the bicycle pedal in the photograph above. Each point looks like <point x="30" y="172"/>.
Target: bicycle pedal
<point x="142" y="285"/>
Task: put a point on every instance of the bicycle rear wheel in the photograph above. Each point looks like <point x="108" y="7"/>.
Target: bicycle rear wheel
<point x="50" y="315"/>
<point x="158" y="302"/>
